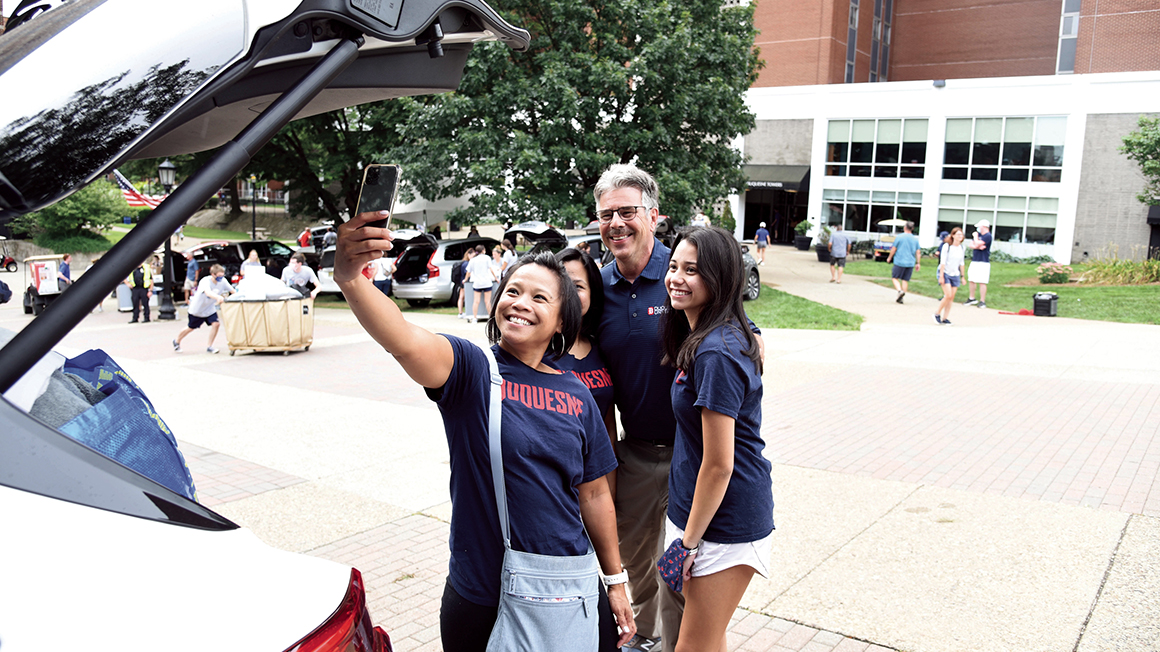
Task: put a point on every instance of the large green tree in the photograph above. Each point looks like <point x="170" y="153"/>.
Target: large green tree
<point x="657" y="82"/>
<point x="1143" y="147"/>
<point x="77" y="217"/>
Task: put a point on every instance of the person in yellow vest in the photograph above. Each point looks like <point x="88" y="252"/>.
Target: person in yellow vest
<point x="141" y="284"/>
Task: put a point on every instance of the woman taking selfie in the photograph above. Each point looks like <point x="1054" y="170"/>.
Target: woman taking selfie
<point x="555" y="451"/>
<point x="720" y="514"/>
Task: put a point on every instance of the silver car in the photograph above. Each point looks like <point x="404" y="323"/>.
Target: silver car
<point x="424" y="270"/>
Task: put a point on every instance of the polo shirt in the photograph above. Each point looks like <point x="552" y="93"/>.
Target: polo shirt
<point x="630" y="343"/>
<point x="983" y="255"/>
<point x="905" y="247"/>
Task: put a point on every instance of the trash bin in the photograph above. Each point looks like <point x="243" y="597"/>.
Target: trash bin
<point x="1045" y="303"/>
<point x="268" y="324"/>
<point x="127" y="219"/>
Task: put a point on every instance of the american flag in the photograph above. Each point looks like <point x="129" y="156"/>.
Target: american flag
<point x="135" y="199"/>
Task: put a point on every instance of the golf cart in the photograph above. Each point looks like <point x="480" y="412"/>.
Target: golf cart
<point x="7" y="263"/>
<point x="887" y="229"/>
<point x="42" y="287"/>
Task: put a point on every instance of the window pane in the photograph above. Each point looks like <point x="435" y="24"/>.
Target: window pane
<point x="973" y="217"/>
<point x="862" y="147"/>
<point x="858" y="195"/>
<point x="988" y="135"/>
<point x="879" y="213"/>
<point x="1012" y="203"/>
<point x="957" y="154"/>
<point x="886" y="153"/>
<point x="833" y="213"/>
<point x="959" y="130"/>
<point x="889" y="131"/>
<point x="833" y="195"/>
<point x="914" y="131"/>
<point x="1071" y="6"/>
<point x="836" y="152"/>
<point x="1014" y="174"/>
<point x="856" y="217"/>
<point x="950" y="215"/>
<point x="1041" y="219"/>
<point x="1070" y="26"/>
<point x="911" y="173"/>
<point x="886" y="170"/>
<point x="1050" y="174"/>
<point x="839" y="131"/>
<point x="954" y="173"/>
<point x="1049" y="137"/>
<point x="910" y="198"/>
<point x="911" y="213"/>
<point x="952" y="201"/>
<point x="859" y="170"/>
<point x="1008" y="219"/>
<point x="863" y="131"/>
<point x="1066" y="55"/>
<point x="985" y="174"/>
<point x="1040" y="228"/>
<point x="1044" y="204"/>
<point x="914" y="153"/>
<point x="835" y="170"/>
<point x="1017" y="141"/>
<point x="880" y="197"/>
<point x="981" y="201"/>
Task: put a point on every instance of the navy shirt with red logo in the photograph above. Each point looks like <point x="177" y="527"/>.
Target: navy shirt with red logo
<point x="553" y="439"/>
<point x="593" y="373"/>
<point x="724" y="380"/>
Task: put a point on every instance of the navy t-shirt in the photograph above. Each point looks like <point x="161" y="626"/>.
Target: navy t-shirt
<point x="723" y="380"/>
<point x="553" y="441"/>
<point x="982" y="255"/>
<point x="630" y="343"/>
<point x="593" y="373"/>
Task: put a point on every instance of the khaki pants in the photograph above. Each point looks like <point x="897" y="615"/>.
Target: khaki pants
<point x="642" y="498"/>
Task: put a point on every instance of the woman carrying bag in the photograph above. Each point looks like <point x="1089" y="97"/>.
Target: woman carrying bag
<point x="720" y="514"/>
<point x="555" y="454"/>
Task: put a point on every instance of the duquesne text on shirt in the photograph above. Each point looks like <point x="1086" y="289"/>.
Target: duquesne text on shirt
<point x="542" y="398"/>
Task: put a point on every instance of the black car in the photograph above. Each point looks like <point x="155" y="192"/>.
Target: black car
<point x="273" y="255"/>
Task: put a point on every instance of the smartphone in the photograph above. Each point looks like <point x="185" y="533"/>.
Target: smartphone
<point x="380" y="185"/>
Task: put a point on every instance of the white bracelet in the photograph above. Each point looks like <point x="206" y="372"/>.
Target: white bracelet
<point x="618" y="578"/>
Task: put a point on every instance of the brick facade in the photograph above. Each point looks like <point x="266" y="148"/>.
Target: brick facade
<point x="1121" y="37"/>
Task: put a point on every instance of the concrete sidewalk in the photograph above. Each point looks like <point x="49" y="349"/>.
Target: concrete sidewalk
<point x="989" y="486"/>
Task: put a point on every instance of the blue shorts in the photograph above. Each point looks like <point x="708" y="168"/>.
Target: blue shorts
<point x="196" y="322"/>
<point x="953" y="281"/>
<point x="901" y="273"/>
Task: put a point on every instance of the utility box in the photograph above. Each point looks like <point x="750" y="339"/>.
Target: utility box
<point x="1045" y="303"/>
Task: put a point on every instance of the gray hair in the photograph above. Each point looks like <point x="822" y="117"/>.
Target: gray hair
<point x="620" y="175"/>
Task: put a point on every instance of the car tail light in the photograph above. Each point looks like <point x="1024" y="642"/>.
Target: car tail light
<point x="349" y="628"/>
<point x="432" y="268"/>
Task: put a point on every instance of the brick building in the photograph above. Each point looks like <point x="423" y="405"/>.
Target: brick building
<point x="951" y="111"/>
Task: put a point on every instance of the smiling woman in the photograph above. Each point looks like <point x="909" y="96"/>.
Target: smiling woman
<point x="551" y="430"/>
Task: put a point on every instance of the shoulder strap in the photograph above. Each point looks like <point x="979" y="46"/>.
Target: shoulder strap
<point x="494" y="412"/>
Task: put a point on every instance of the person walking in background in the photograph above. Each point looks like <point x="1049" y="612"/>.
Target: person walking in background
<point x="480" y="277"/>
<point x="191" y="271"/>
<point x="979" y="272"/>
<point x="211" y="292"/>
<point x="64" y="272"/>
<point x="761" y="239"/>
<point x="252" y="264"/>
<point x="907" y="257"/>
<point x="839" y="246"/>
<point x="300" y="277"/>
<point x="473" y="232"/>
<point x="720" y="514"/>
<point x="140" y="284"/>
<point x="384" y="270"/>
<point x="329" y="238"/>
<point x="950" y="274"/>
<point x="458" y="273"/>
<point x="497" y="269"/>
<point x="304" y="238"/>
<point x="509" y="253"/>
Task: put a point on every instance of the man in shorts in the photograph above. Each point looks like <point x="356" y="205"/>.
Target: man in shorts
<point x="211" y="291"/>
<point x="979" y="273"/>
<point x="839" y="247"/>
<point x="191" y="271"/>
<point x="761" y="239"/>
<point x="906" y="256"/>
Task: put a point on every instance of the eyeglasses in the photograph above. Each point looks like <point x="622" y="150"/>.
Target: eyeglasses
<point x="626" y="213"/>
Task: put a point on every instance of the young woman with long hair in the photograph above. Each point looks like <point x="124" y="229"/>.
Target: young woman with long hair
<point x="556" y="452"/>
<point x="950" y="274"/>
<point x="720" y="494"/>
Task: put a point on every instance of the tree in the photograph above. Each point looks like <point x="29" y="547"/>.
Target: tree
<point x="657" y="82"/>
<point x="1143" y="147"/>
<point x="74" y="218"/>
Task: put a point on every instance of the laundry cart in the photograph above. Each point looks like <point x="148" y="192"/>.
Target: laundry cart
<point x="268" y="324"/>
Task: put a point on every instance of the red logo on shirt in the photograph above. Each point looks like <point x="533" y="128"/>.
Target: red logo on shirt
<point x="681" y="376"/>
<point x="595" y="379"/>
<point x="542" y="398"/>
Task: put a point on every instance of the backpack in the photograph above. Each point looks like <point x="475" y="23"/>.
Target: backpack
<point x="5" y="292"/>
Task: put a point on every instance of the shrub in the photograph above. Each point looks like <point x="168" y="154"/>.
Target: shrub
<point x="1053" y="273"/>
<point x="82" y="242"/>
<point x="1118" y="271"/>
<point x="802" y="227"/>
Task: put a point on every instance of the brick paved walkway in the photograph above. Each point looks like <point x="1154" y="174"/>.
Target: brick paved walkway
<point x="1083" y="443"/>
<point x="404" y="563"/>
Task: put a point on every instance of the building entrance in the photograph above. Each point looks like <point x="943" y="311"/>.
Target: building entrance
<point x="777" y="208"/>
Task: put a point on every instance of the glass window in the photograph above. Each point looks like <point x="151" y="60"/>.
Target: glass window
<point x="878" y="214"/>
<point x="858" y="195"/>
<point x="988" y="135"/>
<point x="1043" y="204"/>
<point x="954" y="173"/>
<point x="1009" y="227"/>
<point x="958" y="143"/>
<point x="1049" y="137"/>
<point x="1071" y="6"/>
<point x="1014" y="174"/>
<point x="954" y="201"/>
<point x="862" y="142"/>
<point x="1012" y="203"/>
<point x="856" y="217"/>
<point x="1066" y="55"/>
<point x="880" y="197"/>
<point x="981" y="201"/>
<point x="984" y="173"/>
<point x="1017" y="141"/>
<point x="1040" y="228"/>
<point x="1052" y="175"/>
<point x="912" y="214"/>
<point x="889" y="140"/>
<point x="910" y="198"/>
<point x="951" y="215"/>
<point x="833" y="214"/>
<point x="973" y="216"/>
<point x="833" y="195"/>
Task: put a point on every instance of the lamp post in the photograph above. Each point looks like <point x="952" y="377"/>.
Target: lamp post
<point x="253" y="207"/>
<point x="167" y="173"/>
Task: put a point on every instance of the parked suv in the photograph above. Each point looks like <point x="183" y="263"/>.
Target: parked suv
<point x="403" y="238"/>
<point x="230" y="255"/>
<point x="423" y="271"/>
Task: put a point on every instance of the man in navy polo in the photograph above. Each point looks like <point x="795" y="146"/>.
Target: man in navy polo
<point x="630" y="342"/>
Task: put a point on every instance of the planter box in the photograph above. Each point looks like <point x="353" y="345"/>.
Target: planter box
<point x="802" y="242"/>
<point x="823" y="253"/>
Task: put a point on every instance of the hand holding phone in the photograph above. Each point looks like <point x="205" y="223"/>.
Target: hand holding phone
<point x="380" y="186"/>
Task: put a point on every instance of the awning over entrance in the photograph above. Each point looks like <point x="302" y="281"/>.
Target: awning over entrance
<point x="776" y="177"/>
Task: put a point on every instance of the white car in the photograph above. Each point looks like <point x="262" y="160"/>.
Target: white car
<point x="403" y="237"/>
<point x="94" y="555"/>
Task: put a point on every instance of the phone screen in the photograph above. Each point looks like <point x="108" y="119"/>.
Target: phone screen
<point x="379" y="187"/>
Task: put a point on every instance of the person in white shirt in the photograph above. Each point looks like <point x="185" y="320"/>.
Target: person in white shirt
<point x="211" y="292"/>
<point x="950" y="274"/>
<point x="383" y="268"/>
<point x="480" y="277"/>
<point x="252" y="264"/>
<point x="298" y="276"/>
<point x="509" y="254"/>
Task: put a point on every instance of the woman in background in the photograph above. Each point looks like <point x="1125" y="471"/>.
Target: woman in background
<point x="950" y="274"/>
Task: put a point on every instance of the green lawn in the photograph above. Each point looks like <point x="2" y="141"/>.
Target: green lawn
<point x="114" y="235"/>
<point x="1133" y="304"/>
<point x="776" y="309"/>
